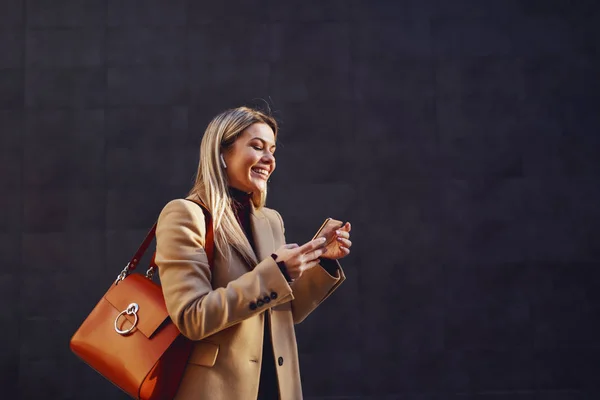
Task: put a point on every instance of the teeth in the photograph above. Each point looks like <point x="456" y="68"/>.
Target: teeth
<point x="261" y="171"/>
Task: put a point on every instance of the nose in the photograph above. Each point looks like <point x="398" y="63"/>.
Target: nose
<point x="268" y="158"/>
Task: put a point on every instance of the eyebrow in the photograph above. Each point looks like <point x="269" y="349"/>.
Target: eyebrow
<point x="273" y="146"/>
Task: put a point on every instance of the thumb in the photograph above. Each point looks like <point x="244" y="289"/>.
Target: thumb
<point x="291" y="245"/>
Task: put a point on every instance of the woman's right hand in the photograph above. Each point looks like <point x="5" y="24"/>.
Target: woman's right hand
<point x="298" y="259"/>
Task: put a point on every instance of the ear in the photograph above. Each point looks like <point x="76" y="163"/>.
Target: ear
<point x="223" y="161"/>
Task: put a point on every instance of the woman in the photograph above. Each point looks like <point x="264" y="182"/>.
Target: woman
<point x="241" y="310"/>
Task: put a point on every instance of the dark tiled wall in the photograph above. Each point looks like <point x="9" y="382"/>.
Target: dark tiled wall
<point x="460" y="138"/>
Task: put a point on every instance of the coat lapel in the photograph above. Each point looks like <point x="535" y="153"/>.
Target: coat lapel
<point x="262" y="234"/>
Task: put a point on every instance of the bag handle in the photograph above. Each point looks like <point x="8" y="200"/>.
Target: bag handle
<point x="209" y="247"/>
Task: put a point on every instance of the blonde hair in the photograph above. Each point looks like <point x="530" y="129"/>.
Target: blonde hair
<point x="211" y="184"/>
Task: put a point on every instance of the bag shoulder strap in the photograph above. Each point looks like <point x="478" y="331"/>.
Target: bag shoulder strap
<point x="209" y="242"/>
<point x="209" y="246"/>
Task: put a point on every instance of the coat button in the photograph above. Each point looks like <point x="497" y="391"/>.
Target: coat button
<point x="273" y="295"/>
<point x="253" y="306"/>
<point x="266" y="299"/>
<point x="260" y="303"/>
<point x="280" y="361"/>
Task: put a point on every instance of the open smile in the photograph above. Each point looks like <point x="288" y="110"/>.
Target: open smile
<point x="261" y="173"/>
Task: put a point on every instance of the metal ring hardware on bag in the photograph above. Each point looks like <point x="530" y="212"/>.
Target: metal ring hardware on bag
<point x="131" y="309"/>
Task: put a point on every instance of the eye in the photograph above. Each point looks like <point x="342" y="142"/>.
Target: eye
<point x="257" y="148"/>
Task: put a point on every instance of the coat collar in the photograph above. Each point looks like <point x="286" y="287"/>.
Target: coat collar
<point x="264" y="242"/>
<point x="262" y="233"/>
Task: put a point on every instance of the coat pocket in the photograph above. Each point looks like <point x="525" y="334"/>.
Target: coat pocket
<point x="204" y="353"/>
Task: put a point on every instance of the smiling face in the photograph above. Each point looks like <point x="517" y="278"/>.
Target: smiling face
<point x="250" y="159"/>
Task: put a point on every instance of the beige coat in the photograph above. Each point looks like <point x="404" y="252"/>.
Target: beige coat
<point x="213" y="306"/>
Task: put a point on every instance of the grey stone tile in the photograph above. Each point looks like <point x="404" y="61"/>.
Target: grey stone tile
<point x="480" y="91"/>
<point x="11" y="210"/>
<point x="317" y="377"/>
<point x="57" y="210"/>
<point x="563" y="304"/>
<point x="542" y="8"/>
<point x="65" y="13"/>
<point x="392" y="40"/>
<point x="294" y="82"/>
<point x="60" y="295"/>
<point x="10" y="246"/>
<point x="144" y="166"/>
<point x="69" y="165"/>
<point x="477" y="37"/>
<point x="10" y="282"/>
<point x="147" y="86"/>
<point x="328" y="163"/>
<point x="199" y="13"/>
<point x="146" y="13"/>
<point x="499" y="370"/>
<point x="11" y="13"/>
<point x="91" y="385"/>
<point x="562" y="221"/>
<point x="38" y="378"/>
<point x="72" y="251"/>
<point x="312" y="44"/>
<point x="333" y="325"/>
<point x="557" y="369"/>
<point x="309" y="11"/>
<point x="331" y="122"/>
<point x="11" y="167"/>
<point x="65" y="47"/>
<point x="11" y="47"/>
<point x="390" y="126"/>
<point x="132" y="208"/>
<point x="228" y="83"/>
<point x="66" y="88"/>
<point x="144" y="46"/>
<point x="519" y="394"/>
<point x="316" y="202"/>
<point x="478" y="157"/>
<point x="495" y="9"/>
<point x="364" y="10"/>
<point x="398" y="372"/>
<point x="242" y="41"/>
<point x="9" y="363"/>
<point x="381" y="81"/>
<point x="482" y="323"/>
<point x="565" y="394"/>
<point x="121" y="246"/>
<point x="77" y="128"/>
<point x="491" y="219"/>
<point x="398" y="161"/>
<point x="11" y="125"/>
<point x="548" y="35"/>
<point x="56" y="331"/>
<point x="11" y="89"/>
<point x="132" y="127"/>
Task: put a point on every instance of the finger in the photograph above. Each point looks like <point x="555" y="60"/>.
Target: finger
<point x="347" y="227"/>
<point x="344" y="242"/>
<point x="343" y="234"/>
<point x="311" y="264"/>
<point x="313" y="244"/>
<point x="315" y="254"/>
<point x="291" y="245"/>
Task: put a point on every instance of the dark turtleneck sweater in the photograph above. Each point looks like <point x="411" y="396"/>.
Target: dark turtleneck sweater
<point x="268" y="386"/>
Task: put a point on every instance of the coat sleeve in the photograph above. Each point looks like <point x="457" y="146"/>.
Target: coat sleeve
<point x="313" y="287"/>
<point x="197" y="309"/>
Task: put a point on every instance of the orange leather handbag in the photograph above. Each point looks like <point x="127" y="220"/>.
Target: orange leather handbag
<point x="129" y="337"/>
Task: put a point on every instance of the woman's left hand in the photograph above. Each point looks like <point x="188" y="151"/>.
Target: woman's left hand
<point x="340" y="246"/>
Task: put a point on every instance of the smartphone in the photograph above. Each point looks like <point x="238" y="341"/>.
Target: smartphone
<point x="327" y="230"/>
